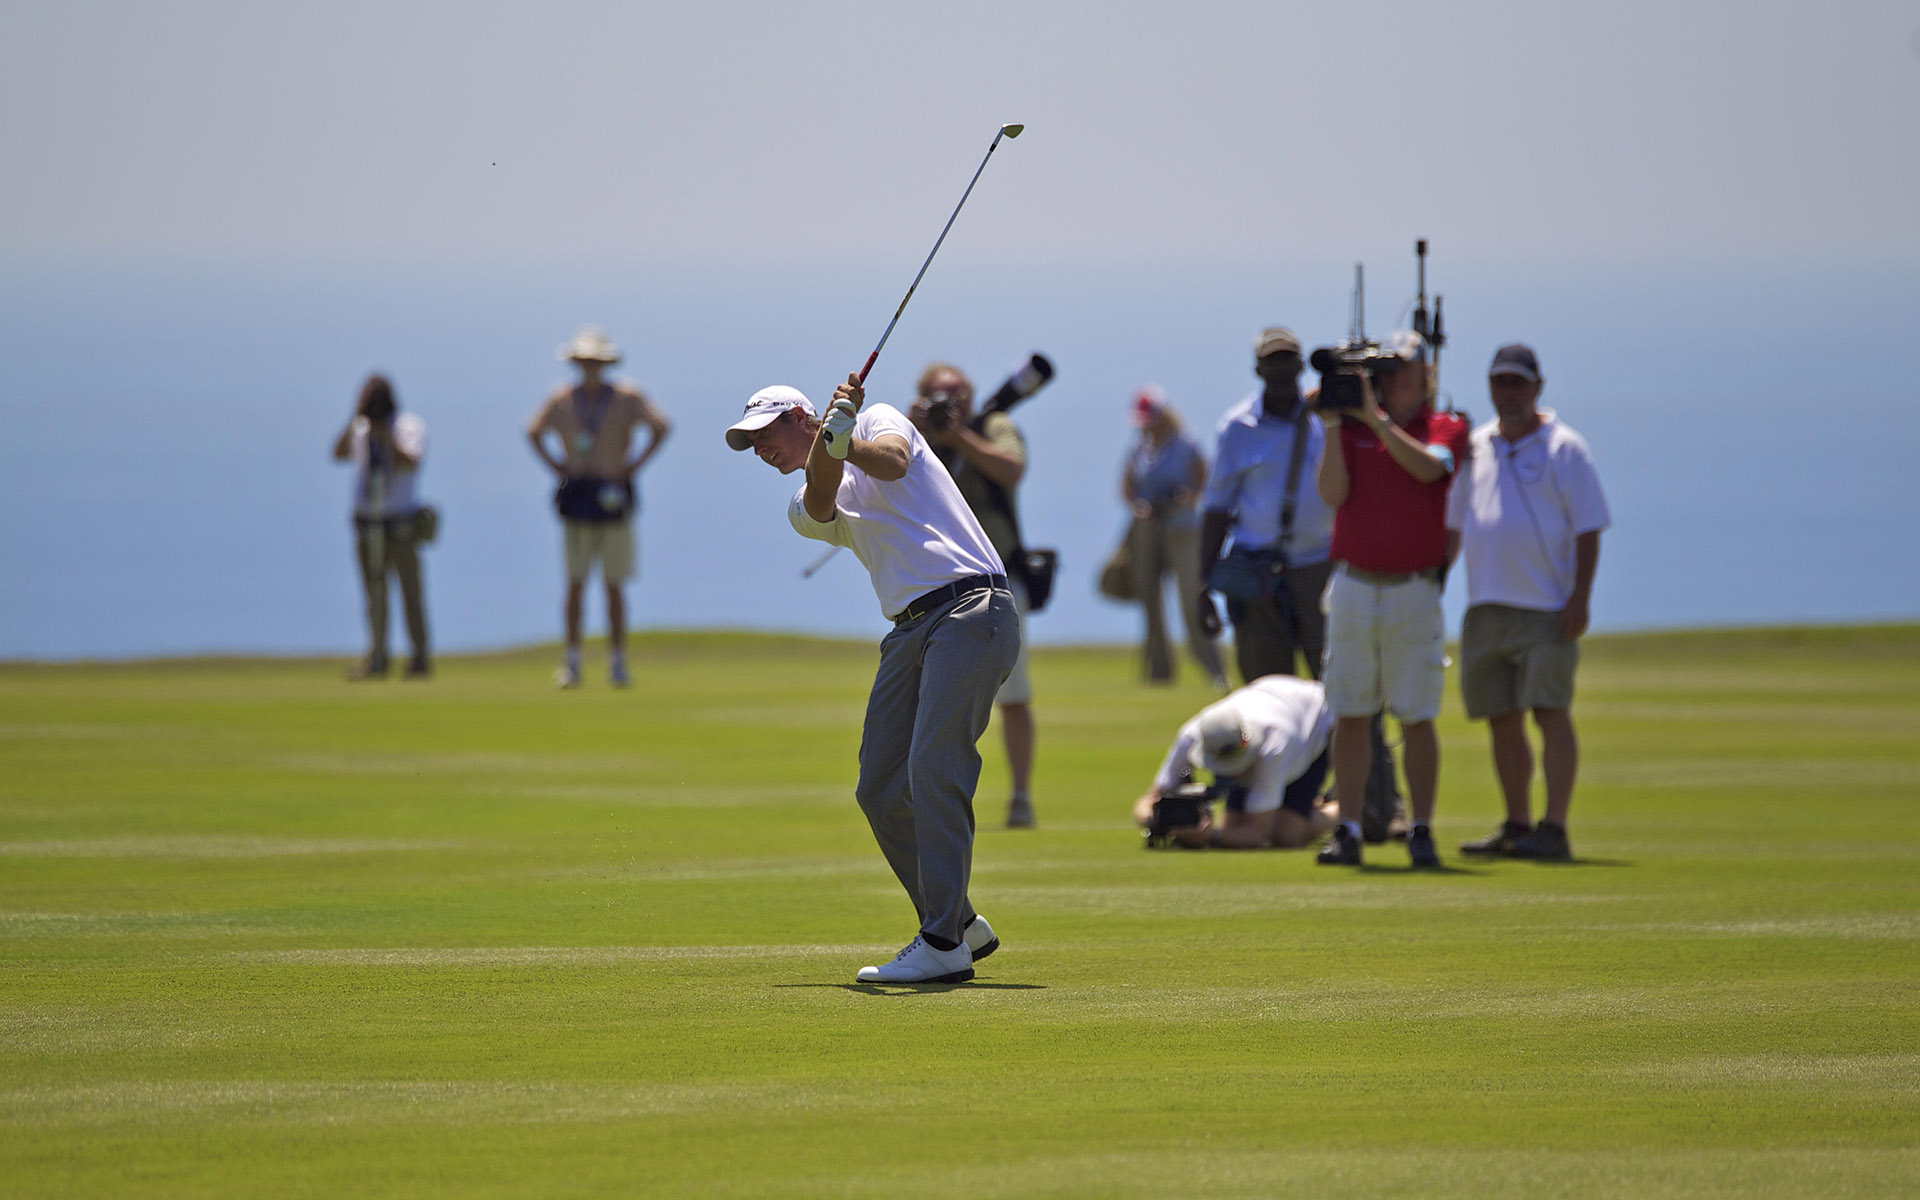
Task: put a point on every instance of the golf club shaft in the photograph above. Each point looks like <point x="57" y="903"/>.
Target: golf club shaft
<point x="875" y="356"/>
<point x="808" y="571"/>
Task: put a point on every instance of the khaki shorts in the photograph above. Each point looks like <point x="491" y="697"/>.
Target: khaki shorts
<point x="1386" y="647"/>
<point x="1018" y="689"/>
<point x="1513" y="659"/>
<point x="609" y="543"/>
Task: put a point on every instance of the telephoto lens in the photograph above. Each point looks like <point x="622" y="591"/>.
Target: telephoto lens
<point x="1027" y="379"/>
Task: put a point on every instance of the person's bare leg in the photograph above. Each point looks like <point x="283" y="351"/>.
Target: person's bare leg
<point x="1559" y="759"/>
<point x="1421" y="748"/>
<point x="616" y="619"/>
<point x="1352" y="761"/>
<point x="575" y="602"/>
<point x="1513" y="763"/>
<point x="1017" y="730"/>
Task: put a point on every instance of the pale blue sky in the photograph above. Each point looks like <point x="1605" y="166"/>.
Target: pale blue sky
<point x="800" y="133"/>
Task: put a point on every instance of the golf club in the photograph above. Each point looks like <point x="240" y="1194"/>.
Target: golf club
<point x="1006" y="131"/>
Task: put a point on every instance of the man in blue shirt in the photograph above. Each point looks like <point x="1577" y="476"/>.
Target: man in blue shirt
<point x="1254" y="460"/>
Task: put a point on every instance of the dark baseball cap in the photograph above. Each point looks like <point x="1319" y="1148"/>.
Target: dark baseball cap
<point x="1516" y="358"/>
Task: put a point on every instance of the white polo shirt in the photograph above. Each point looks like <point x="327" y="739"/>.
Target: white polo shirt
<point x="1290" y="720"/>
<point x="388" y="490"/>
<point x="1518" y="506"/>
<point x="913" y="534"/>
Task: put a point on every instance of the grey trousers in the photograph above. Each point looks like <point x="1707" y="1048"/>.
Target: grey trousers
<point x="919" y="758"/>
<point x="1263" y="641"/>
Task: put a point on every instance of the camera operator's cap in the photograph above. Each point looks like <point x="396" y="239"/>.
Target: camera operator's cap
<point x="1277" y="339"/>
<point x="1405" y="345"/>
<point x="1147" y="403"/>
<point x="1515" y="359"/>
<point x="1226" y="746"/>
<point x="763" y="409"/>
<point x="589" y="345"/>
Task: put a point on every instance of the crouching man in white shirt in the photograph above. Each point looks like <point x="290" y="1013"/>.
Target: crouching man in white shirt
<point x="1266" y="746"/>
<point x="874" y="486"/>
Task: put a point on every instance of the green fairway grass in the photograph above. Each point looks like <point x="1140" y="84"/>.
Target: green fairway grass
<point x="268" y="933"/>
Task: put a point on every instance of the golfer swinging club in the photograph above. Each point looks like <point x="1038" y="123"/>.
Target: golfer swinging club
<point x="874" y="486"/>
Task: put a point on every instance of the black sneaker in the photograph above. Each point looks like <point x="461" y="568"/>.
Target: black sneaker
<point x="1342" y="851"/>
<point x="1499" y="843"/>
<point x="1547" y="843"/>
<point x="1420" y="847"/>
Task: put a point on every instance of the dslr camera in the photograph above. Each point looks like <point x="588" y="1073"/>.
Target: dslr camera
<point x="1341" y="369"/>
<point x="1179" y="809"/>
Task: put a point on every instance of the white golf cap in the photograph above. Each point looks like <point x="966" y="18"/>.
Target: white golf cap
<point x="763" y="409"/>
<point x="1227" y="746"/>
<point x="589" y="345"/>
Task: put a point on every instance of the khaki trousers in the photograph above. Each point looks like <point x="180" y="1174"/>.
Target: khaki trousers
<point x="1160" y="548"/>
<point x="387" y="547"/>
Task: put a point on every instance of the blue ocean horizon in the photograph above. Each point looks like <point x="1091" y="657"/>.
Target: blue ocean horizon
<point x="166" y="486"/>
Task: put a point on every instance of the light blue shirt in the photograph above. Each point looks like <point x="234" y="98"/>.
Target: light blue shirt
<point x="1160" y="471"/>
<point x="1250" y="473"/>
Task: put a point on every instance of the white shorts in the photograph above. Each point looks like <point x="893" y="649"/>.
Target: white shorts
<point x="1018" y="689"/>
<point x="1386" y="647"/>
<point x="609" y="543"/>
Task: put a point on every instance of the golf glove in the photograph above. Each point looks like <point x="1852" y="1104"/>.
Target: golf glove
<point x="837" y="430"/>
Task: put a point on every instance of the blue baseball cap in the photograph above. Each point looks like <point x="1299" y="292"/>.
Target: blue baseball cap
<point x="1516" y="358"/>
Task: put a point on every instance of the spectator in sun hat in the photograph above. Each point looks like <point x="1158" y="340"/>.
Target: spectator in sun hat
<point x="1526" y="514"/>
<point x="1164" y="475"/>
<point x="594" y="420"/>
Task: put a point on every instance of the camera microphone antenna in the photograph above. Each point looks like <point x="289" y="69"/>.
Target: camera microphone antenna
<point x="1434" y="330"/>
<point x="1006" y="131"/>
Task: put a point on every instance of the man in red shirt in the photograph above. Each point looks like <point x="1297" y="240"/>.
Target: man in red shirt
<point x="1385" y="474"/>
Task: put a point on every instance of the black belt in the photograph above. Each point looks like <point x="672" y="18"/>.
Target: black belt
<point x="920" y="606"/>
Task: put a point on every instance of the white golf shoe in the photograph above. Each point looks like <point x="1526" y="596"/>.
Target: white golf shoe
<point x="981" y="939"/>
<point x="921" y="963"/>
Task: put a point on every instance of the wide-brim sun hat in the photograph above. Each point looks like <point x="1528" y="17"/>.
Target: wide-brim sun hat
<point x="763" y="409"/>
<point x="589" y="345"/>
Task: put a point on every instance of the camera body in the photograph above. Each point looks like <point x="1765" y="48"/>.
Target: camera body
<point x="1341" y="369"/>
<point x="1180" y="808"/>
<point x="942" y="407"/>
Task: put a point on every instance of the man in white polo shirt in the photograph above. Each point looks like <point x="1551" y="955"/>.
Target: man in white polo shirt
<point x="1526" y="513"/>
<point x="874" y="486"/>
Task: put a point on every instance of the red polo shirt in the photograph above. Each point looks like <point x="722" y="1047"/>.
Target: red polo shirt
<point x="1391" y="521"/>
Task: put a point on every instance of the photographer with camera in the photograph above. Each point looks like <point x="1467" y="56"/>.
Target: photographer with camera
<point x="1272" y="579"/>
<point x="1266" y="746"/>
<point x="1385" y="473"/>
<point x="595" y="421"/>
<point x="987" y="457"/>
<point x="386" y="447"/>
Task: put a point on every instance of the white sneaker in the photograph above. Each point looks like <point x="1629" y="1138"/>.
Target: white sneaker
<point x="981" y="939"/>
<point x="567" y="678"/>
<point x="617" y="673"/>
<point x="921" y="963"/>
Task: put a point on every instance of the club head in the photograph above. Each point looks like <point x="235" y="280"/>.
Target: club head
<point x="1012" y="131"/>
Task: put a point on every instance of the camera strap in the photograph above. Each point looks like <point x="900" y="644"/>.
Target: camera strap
<point x="1289" y="498"/>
